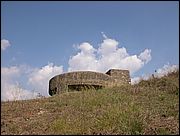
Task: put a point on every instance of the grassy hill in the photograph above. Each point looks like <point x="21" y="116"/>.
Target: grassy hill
<point x="150" y="107"/>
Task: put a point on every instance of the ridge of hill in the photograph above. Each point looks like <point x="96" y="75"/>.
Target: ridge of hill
<point x="149" y="107"/>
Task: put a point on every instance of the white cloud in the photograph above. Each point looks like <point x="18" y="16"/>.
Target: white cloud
<point x="10" y="89"/>
<point x="85" y="59"/>
<point x="167" y="68"/>
<point x="86" y="48"/>
<point x="11" y="92"/>
<point x="135" y="80"/>
<point x="10" y="72"/>
<point x="108" y="46"/>
<point x="39" y="78"/>
<point x="4" y="44"/>
<point x="145" y="56"/>
<point x="107" y="56"/>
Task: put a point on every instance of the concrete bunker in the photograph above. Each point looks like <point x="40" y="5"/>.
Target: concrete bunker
<point x="79" y="80"/>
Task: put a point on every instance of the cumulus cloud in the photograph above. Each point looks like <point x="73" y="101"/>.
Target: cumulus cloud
<point x="107" y="56"/>
<point x="85" y="59"/>
<point x="38" y="78"/>
<point x="10" y="71"/>
<point x="135" y="80"/>
<point x="86" y="48"/>
<point x="10" y="88"/>
<point x="11" y="92"/>
<point x="167" y="68"/>
<point x="4" y="44"/>
<point x="145" y="56"/>
<point x="108" y="46"/>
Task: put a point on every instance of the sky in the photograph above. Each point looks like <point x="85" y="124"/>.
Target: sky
<point x="42" y="39"/>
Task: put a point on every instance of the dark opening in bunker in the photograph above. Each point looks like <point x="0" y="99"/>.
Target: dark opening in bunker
<point x="81" y="87"/>
<point x="53" y="92"/>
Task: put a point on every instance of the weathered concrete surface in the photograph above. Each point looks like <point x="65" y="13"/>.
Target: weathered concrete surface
<point x="67" y="81"/>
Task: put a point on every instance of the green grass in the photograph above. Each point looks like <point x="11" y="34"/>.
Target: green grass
<point x="150" y="107"/>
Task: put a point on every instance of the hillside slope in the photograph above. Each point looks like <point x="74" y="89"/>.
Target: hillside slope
<point x="150" y="107"/>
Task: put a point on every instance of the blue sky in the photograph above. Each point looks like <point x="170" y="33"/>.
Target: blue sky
<point x="48" y="32"/>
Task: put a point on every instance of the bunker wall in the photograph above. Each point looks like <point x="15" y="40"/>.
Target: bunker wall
<point x="113" y="77"/>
